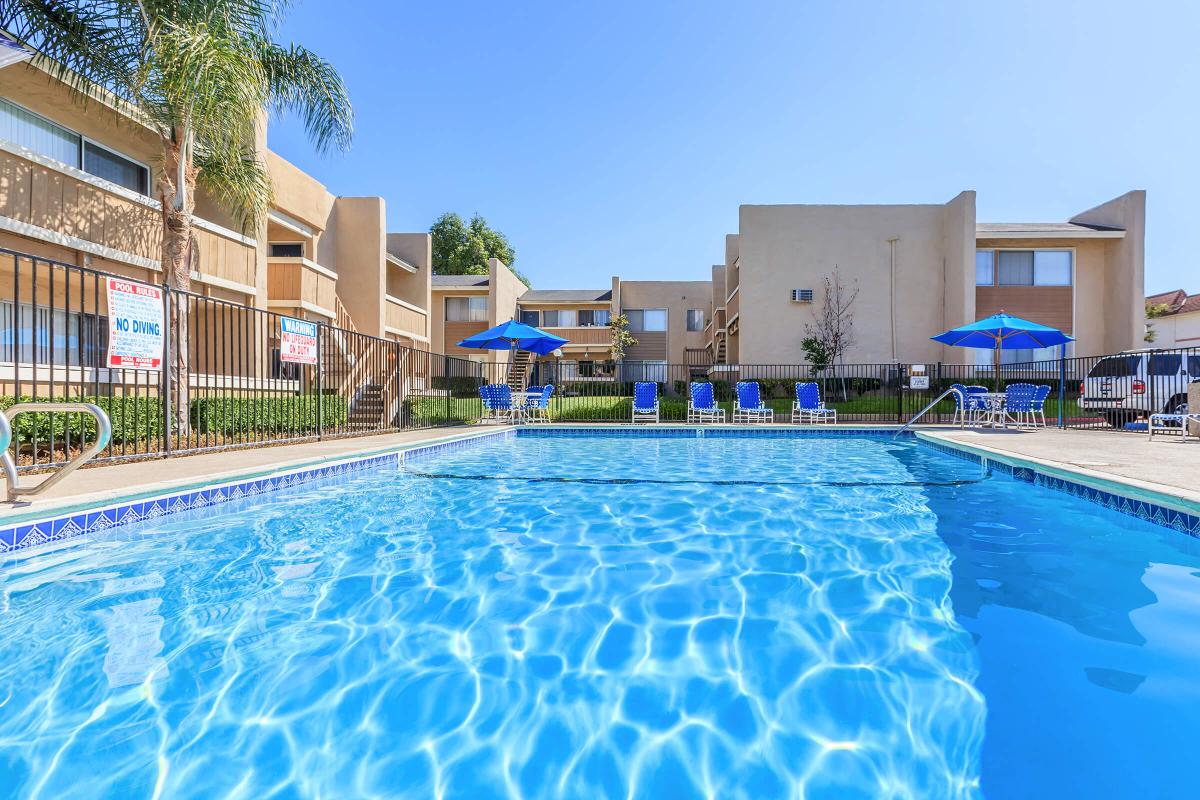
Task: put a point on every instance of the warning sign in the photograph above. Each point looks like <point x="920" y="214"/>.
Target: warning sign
<point x="298" y="342"/>
<point x="135" y="325"/>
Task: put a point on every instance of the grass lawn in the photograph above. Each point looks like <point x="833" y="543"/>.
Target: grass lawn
<point x="865" y="408"/>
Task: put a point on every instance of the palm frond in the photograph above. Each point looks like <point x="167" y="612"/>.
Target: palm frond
<point x="239" y="182"/>
<point x="306" y="84"/>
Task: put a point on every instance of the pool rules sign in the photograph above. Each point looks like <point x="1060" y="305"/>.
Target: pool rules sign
<point x="135" y="325"/>
<point x="298" y="341"/>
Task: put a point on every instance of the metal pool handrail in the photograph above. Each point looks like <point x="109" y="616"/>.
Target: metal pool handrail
<point x="962" y="398"/>
<point x="103" y="434"/>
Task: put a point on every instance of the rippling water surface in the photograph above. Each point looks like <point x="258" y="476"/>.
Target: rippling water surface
<point x="606" y="617"/>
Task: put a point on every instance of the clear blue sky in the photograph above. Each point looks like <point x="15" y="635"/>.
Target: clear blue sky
<point x="620" y="137"/>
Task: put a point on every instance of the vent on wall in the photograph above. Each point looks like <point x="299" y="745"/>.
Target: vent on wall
<point x="802" y="295"/>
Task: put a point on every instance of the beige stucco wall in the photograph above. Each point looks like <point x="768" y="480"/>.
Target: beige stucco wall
<point x="1124" y="294"/>
<point x="504" y="289"/>
<point x="677" y="297"/>
<point x="789" y="247"/>
<point x="417" y="250"/>
<point x="359" y="248"/>
<point x="958" y="307"/>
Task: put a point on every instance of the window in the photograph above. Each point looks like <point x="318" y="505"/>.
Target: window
<point x="985" y="267"/>
<point x="531" y="317"/>
<point x="559" y="319"/>
<point x="647" y="320"/>
<point x="695" y="319"/>
<point x="586" y="369"/>
<point x="1052" y="268"/>
<point x="597" y="318"/>
<point x="104" y="163"/>
<point x="466" y="309"/>
<point x="1165" y="364"/>
<point x="983" y="358"/>
<point x="1014" y="267"/>
<point x="52" y="336"/>
<point x="287" y="249"/>
<point x="1024" y="267"/>
<point x="52" y="140"/>
<point x="38" y="134"/>
<point x="1116" y="367"/>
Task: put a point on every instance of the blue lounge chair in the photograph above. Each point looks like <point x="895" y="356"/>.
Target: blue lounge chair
<point x="1177" y="422"/>
<point x="645" y="401"/>
<point x="497" y="402"/>
<point x="537" y="409"/>
<point x="702" y="405"/>
<point x="807" y="407"/>
<point x="1040" y="393"/>
<point x="749" y="405"/>
<point x="969" y="404"/>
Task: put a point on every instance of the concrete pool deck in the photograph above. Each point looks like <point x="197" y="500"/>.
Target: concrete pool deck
<point x="1164" y="467"/>
<point x="100" y="484"/>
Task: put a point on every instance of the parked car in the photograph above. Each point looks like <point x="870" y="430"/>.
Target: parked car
<point x="1138" y="383"/>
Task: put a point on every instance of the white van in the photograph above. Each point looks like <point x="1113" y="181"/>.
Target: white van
<point x="1138" y="383"/>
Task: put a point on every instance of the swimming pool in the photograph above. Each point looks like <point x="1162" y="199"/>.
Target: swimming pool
<point x="613" y="615"/>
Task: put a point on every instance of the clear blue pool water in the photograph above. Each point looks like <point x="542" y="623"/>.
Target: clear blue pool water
<point x="620" y="617"/>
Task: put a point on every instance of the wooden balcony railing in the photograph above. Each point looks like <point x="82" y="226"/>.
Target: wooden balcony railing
<point x="58" y="203"/>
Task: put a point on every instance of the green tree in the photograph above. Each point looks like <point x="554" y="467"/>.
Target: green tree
<point x="1154" y="311"/>
<point x="200" y="73"/>
<point x="622" y="339"/>
<point x="463" y="248"/>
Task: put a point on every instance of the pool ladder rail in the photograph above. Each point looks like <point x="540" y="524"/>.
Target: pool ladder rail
<point x="962" y="403"/>
<point x="14" y="489"/>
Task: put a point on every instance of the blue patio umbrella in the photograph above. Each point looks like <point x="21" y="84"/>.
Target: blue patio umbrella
<point x="1004" y="332"/>
<point x="513" y="335"/>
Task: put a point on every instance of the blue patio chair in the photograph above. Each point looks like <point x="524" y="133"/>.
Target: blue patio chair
<point x="497" y="402"/>
<point x="807" y="407"/>
<point x="645" y="401"/>
<point x="969" y="404"/>
<point x="1040" y="393"/>
<point x="1018" y="402"/>
<point x="702" y="405"/>
<point x="537" y="409"/>
<point x="749" y="406"/>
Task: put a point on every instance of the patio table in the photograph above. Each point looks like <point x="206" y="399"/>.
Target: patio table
<point x="996" y="415"/>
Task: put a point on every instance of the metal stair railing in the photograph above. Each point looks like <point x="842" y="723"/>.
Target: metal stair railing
<point x="103" y="435"/>
<point x="962" y="399"/>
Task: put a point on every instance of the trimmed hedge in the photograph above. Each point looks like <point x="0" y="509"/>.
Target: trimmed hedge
<point x="229" y="416"/>
<point x="133" y="418"/>
<point x="141" y="418"/>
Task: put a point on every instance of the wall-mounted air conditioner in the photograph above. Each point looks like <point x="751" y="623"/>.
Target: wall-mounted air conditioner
<point x="802" y="295"/>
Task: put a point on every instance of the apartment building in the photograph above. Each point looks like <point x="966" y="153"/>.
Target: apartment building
<point x="921" y="269"/>
<point x="463" y="305"/>
<point x="77" y="184"/>
<point x="1179" y="325"/>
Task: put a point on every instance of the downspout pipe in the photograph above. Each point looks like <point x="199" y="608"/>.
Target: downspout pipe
<point x="892" y="246"/>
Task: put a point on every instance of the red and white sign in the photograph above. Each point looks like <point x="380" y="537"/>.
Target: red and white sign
<point x="297" y="341"/>
<point x="135" y="325"/>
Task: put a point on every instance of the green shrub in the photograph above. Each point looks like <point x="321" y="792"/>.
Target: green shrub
<point x="230" y="415"/>
<point x="132" y="418"/>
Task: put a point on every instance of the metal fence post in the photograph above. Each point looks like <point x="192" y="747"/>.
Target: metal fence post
<point x="320" y="383"/>
<point x="1062" y="386"/>
<point x="168" y="361"/>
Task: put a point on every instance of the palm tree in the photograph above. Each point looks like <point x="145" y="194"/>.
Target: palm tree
<point x="200" y="73"/>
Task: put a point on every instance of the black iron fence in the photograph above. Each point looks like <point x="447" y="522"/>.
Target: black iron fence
<point x="225" y="381"/>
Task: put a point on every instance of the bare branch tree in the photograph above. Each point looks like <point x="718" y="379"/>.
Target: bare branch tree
<point x="833" y="328"/>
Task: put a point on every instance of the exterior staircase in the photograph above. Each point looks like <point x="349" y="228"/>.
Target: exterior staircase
<point x="518" y="370"/>
<point x="368" y="408"/>
<point x="719" y="356"/>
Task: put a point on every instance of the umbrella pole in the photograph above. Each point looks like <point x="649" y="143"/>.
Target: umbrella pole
<point x="996" y="366"/>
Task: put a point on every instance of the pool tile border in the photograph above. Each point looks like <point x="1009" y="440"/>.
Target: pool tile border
<point x="69" y="525"/>
<point x="1128" y="504"/>
<point x="55" y="528"/>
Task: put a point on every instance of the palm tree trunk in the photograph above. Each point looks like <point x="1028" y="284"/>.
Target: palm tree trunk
<point x="178" y="256"/>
